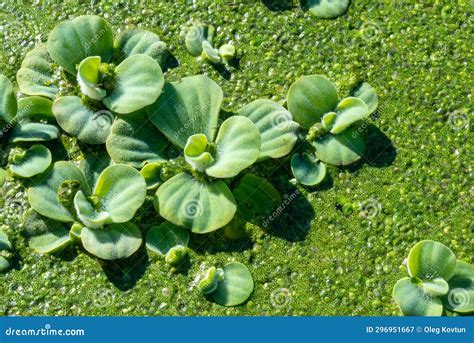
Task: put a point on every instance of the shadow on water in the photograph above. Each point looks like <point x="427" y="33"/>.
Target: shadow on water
<point x="279" y="5"/>
<point x="125" y="273"/>
<point x="292" y="219"/>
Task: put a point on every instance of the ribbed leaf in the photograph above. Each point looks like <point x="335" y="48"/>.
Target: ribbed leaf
<point x="44" y="196"/>
<point x="88" y="77"/>
<point x="309" y="98"/>
<point x="134" y="140"/>
<point x="277" y="128"/>
<point x="31" y="162"/>
<point x="342" y="149"/>
<point x="112" y="242"/>
<point x="236" y="287"/>
<point x="429" y="259"/>
<point x="196" y="35"/>
<point x="238" y="147"/>
<point x="160" y="239"/>
<point x="139" y="41"/>
<point x="72" y="41"/>
<point x="307" y="169"/>
<point x="187" y="107"/>
<point x="367" y="94"/>
<point x="35" y="109"/>
<point x="81" y="122"/>
<point x="460" y="297"/>
<point x="138" y="83"/>
<point x="8" y="104"/>
<point x="348" y="112"/>
<point x="33" y="132"/>
<point x="413" y="301"/>
<point x="201" y="207"/>
<point x="36" y="75"/>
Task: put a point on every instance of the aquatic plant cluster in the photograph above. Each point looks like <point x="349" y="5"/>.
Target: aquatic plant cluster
<point x="171" y="146"/>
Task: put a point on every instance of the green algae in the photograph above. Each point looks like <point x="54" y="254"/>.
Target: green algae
<point x="414" y="185"/>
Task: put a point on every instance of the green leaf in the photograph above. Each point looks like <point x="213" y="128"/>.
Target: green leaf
<point x="196" y="154"/>
<point x="152" y="175"/>
<point x="138" y="83"/>
<point x="277" y="128"/>
<point x="8" y="104"/>
<point x="310" y="97"/>
<point x="210" y="280"/>
<point x="112" y="242"/>
<point x="196" y="35"/>
<point x="435" y="287"/>
<point x="238" y="147"/>
<point x="187" y="107"/>
<point x="136" y="141"/>
<point x="93" y="164"/>
<point x="44" y="194"/>
<point x="4" y="264"/>
<point x="35" y="109"/>
<point x="31" y="162"/>
<point x="88" y="77"/>
<point x="327" y="9"/>
<point x="3" y="176"/>
<point x="50" y="242"/>
<point x="210" y="53"/>
<point x="307" y="169"/>
<point x="37" y="74"/>
<point x="201" y="207"/>
<point x="33" y="132"/>
<point x="341" y="149"/>
<point x="227" y="52"/>
<point x="90" y="216"/>
<point x="45" y="235"/>
<point x="367" y="94"/>
<point x="75" y="231"/>
<point x="72" y="41"/>
<point x="236" y="287"/>
<point x="428" y="260"/>
<point x="4" y="241"/>
<point x="139" y="41"/>
<point x="79" y="121"/>
<point x="120" y="191"/>
<point x="413" y="301"/>
<point x="255" y="196"/>
<point x="160" y="239"/>
<point x="461" y="289"/>
<point x="348" y="112"/>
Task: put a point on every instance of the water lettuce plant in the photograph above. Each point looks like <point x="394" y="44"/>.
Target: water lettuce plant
<point x="436" y="279"/>
<point x="199" y="42"/>
<point x="28" y="119"/>
<point x="228" y="286"/>
<point x="62" y="194"/>
<point x="334" y="127"/>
